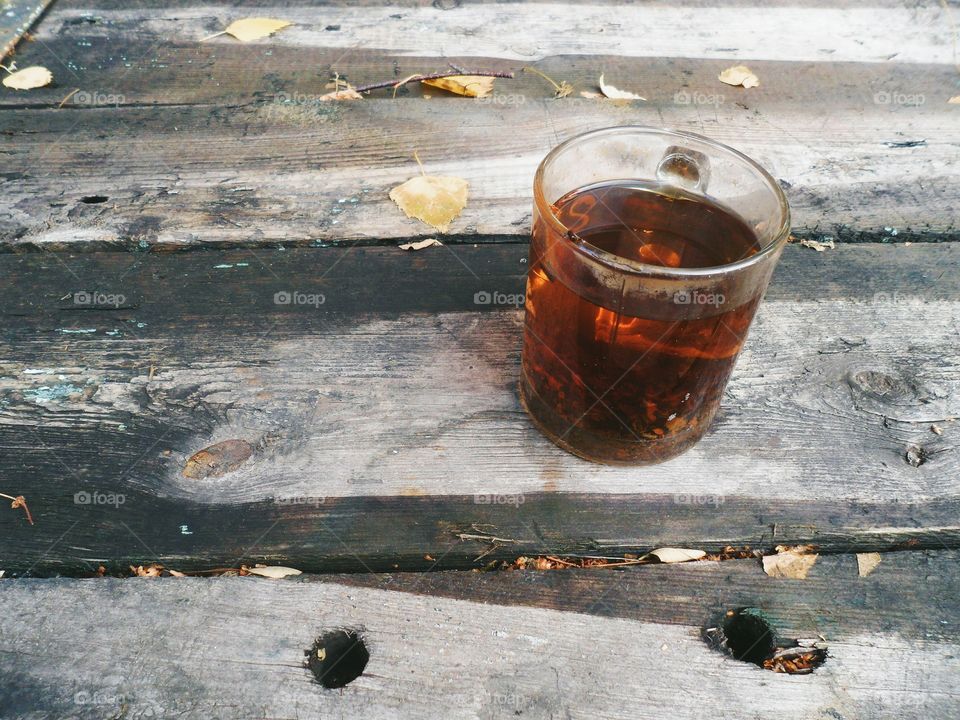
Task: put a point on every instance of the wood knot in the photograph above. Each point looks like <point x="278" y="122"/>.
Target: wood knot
<point x="915" y="456"/>
<point x="218" y="459"/>
<point x="879" y="385"/>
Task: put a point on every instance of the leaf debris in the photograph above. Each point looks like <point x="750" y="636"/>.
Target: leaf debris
<point x="19" y="501"/>
<point x="739" y="75"/>
<point x="867" y="563"/>
<point x="420" y="244"/>
<point x="790" y="562"/>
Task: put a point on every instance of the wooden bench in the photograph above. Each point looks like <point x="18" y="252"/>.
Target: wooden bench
<point x="377" y="434"/>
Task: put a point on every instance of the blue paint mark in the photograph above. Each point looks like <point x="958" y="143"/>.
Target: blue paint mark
<point x="51" y="393"/>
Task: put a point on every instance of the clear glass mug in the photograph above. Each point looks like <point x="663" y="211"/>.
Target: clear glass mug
<point x="649" y="254"/>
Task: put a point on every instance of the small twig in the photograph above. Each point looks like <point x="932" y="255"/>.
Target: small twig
<point x="417" y="158"/>
<point x="72" y="93"/>
<point x="431" y="76"/>
<point x="484" y="538"/>
<point x="559" y="90"/>
<point x="19" y="501"/>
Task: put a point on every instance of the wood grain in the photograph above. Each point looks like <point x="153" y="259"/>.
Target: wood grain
<point x="235" y="646"/>
<point x="385" y="422"/>
<point x="276" y="174"/>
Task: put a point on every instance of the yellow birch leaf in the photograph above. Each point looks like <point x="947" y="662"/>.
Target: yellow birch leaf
<point x="29" y="78"/>
<point x="739" y="75"/>
<point x="255" y="28"/>
<point x="477" y="86"/>
<point x="615" y="94"/>
<point x="433" y="199"/>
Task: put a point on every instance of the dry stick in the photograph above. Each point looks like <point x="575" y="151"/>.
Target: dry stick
<point x="432" y="76"/>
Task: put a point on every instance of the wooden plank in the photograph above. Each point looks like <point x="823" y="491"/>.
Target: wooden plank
<point x="878" y="32"/>
<point x="183" y="176"/>
<point x="222" y="647"/>
<point x="380" y="428"/>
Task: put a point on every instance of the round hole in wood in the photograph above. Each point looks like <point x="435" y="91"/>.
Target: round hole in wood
<point x="338" y="658"/>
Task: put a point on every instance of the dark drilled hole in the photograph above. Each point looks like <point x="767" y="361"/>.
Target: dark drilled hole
<point x="747" y="635"/>
<point x="94" y="199"/>
<point x="337" y="658"/>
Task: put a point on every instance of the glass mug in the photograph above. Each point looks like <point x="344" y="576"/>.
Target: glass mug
<point x="649" y="254"/>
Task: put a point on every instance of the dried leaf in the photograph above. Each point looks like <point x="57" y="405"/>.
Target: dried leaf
<point x="798" y="660"/>
<point x="676" y="555"/>
<point x="253" y="28"/>
<point x="739" y="75"/>
<point x="867" y="563"/>
<point x="420" y="244"/>
<point x="478" y="86"/>
<point x="347" y="93"/>
<point x="433" y="199"/>
<point x="152" y="570"/>
<point x="614" y="94"/>
<point x="274" y="572"/>
<point x="936" y="430"/>
<point x="29" y="78"/>
<point x="819" y="246"/>
<point x="955" y="100"/>
<point x="792" y="563"/>
<point x="590" y="95"/>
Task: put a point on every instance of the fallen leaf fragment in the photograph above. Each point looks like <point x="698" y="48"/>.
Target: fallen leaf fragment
<point x="936" y="430"/>
<point x="478" y="86"/>
<point x="590" y="95"/>
<point x="739" y="75"/>
<point x="797" y="660"/>
<point x="434" y="199"/>
<point x="420" y="244"/>
<point x="252" y="28"/>
<point x="615" y="94"/>
<point x="274" y="572"/>
<point x="955" y="100"/>
<point x="819" y="246"/>
<point x="149" y="571"/>
<point x="867" y="563"/>
<point x="675" y="555"/>
<point x="348" y="93"/>
<point x="789" y="562"/>
<point x="29" y="78"/>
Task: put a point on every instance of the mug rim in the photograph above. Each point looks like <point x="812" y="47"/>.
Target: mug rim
<point x="629" y="266"/>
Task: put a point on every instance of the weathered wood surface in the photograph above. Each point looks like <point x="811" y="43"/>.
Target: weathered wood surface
<point x="384" y="422"/>
<point x="240" y="152"/>
<point x="234" y="647"/>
